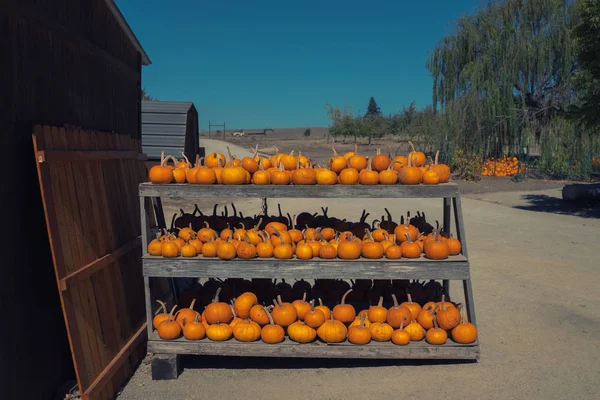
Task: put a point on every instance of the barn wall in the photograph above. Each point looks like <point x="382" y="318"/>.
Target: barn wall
<point x="61" y="61"/>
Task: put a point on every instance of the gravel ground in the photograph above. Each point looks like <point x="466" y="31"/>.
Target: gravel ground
<point x="535" y="282"/>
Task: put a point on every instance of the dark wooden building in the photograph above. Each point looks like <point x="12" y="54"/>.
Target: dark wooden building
<point x="61" y="62"/>
<point x="169" y="126"/>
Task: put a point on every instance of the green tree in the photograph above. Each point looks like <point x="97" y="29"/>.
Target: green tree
<point x="146" y="96"/>
<point x="504" y="74"/>
<point x="372" y="109"/>
<point x="587" y="44"/>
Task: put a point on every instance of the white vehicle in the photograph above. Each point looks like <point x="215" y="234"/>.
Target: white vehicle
<point x="242" y="133"/>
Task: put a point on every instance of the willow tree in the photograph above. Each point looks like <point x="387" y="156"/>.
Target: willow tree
<point x="503" y="75"/>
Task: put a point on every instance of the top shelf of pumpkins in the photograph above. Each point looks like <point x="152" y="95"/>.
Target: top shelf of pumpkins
<point x="351" y="168"/>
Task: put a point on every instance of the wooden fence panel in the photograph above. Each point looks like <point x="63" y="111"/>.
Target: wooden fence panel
<point x="88" y="182"/>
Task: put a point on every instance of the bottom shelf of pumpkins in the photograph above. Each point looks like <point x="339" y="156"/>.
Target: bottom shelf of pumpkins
<point x="303" y="322"/>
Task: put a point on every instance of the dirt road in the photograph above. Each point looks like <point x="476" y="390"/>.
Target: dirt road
<point x="535" y="278"/>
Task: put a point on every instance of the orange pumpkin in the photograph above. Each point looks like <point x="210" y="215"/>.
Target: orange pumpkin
<point x="409" y="174"/>
<point x="261" y="177"/>
<point x="218" y="312"/>
<point x="280" y="177"/>
<point x="357" y="161"/>
<point x="214" y="160"/>
<point x="283" y="314"/>
<point x="406" y="228"/>
<point x="161" y="174"/>
<point x="368" y="176"/>
<point x="437" y="249"/>
<point x="337" y="163"/>
<point x="442" y="170"/>
<point x="398" y="313"/>
<point x="344" y="312"/>
<point x="380" y="162"/>
<point x="388" y="176"/>
<point x="418" y="158"/>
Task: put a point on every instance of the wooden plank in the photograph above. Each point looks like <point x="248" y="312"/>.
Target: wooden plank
<point x="149" y="304"/>
<point x="99" y="264"/>
<point x="182" y="191"/>
<point x="447" y="214"/>
<point x="115" y="363"/>
<point x="83" y="294"/>
<point x="317" y="349"/>
<point x="71" y="301"/>
<point x="88" y="155"/>
<point x="52" y="211"/>
<point x="271" y="268"/>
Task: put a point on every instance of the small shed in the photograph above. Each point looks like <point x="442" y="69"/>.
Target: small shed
<point x="169" y="126"/>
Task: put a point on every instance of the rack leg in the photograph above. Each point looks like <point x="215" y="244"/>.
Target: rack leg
<point x="446" y="227"/>
<point x="165" y="366"/>
<point x="149" y="312"/>
<point x="469" y="301"/>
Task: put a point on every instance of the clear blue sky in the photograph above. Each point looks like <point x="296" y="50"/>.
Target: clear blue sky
<point x="276" y="63"/>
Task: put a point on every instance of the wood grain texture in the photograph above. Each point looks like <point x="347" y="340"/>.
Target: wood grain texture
<point x="341" y="269"/>
<point x="92" y="216"/>
<point x="187" y="191"/>
<point x="317" y="349"/>
<point x="81" y="155"/>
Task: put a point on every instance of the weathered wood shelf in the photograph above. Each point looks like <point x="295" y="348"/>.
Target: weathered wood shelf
<point x="455" y="267"/>
<point x="188" y="191"/>
<point x="317" y="349"/>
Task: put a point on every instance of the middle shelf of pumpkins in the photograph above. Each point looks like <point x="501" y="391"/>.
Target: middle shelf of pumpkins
<point x="397" y="312"/>
<point x="303" y="237"/>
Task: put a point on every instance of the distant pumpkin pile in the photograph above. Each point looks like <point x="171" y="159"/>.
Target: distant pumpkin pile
<point x="351" y="168"/>
<point x="303" y="322"/>
<point x="505" y="166"/>
<point x="287" y="241"/>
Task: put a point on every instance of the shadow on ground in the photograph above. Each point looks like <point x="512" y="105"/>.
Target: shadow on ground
<point x="212" y="362"/>
<point x="550" y="204"/>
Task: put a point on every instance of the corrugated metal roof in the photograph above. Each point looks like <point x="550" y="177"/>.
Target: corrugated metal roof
<point x="164" y="127"/>
<point x="169" y="107"/>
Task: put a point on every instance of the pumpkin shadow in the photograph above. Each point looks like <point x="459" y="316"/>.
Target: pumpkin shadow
<point x="272" y="363"/>
<point x="555" y="205"/>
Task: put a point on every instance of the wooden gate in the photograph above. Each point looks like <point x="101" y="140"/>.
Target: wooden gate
<point x="89" y="182"/>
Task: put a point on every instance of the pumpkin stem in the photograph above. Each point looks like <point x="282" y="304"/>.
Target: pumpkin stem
<point x="304" y="297"/>
<point x="408" y="295"/>
<point x="232" y="309"/>
<point x="355" y="149"/>
<point x="216" y="299"/>
<point x="380" y="301"/>
<point x="279" y="302"/>
<point x="412" y="147"/>
<point x="162" y="307"/>
<point x="408" y="238"/>
<point x="362" y="320"/>
<point x="435" y="323"/>
<point x="437" y="153"/>
<point x="269" y="316"/>
<point x="187" y="162"/>
<point x="402" y="323"/>
<point x="312" y="305"/>
<point x="258" y="224"/>
<point x="395" y="301"/>
<point x="191" y="307"/>
<point x="171" y="313"/>
<point x="320" y="302"/>
<point x="343" y="297"/>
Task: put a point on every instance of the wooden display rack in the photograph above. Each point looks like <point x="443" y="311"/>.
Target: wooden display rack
<point x="455" y="268"/>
